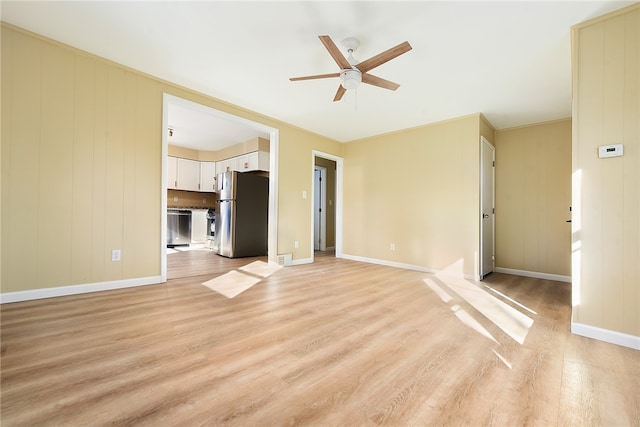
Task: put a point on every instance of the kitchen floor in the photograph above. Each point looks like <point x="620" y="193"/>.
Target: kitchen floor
<point x="197" y="260"/>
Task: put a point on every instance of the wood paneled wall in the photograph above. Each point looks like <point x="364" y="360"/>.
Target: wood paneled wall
<point x="81" y="149"/>
<point x="606" y="226"/>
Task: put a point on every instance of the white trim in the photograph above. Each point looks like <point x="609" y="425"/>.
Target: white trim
<point x="302" y="261"/>
<point x="272" y="236"/>
<point x="534" y="274"/>
<point x="606" y="335"/>
<point x="61" y="291"/>
<point x="399" y="265"/>
<point x="389" y="263"/>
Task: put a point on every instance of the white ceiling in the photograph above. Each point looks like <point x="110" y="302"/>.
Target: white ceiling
<point x="509" y="60"/>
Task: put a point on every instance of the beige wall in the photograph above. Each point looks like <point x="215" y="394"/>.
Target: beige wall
<point x="606" y="222"/>
<point x="533" y="195"/>
<point x="418" y="189"/>
<point x="81" y="167"/>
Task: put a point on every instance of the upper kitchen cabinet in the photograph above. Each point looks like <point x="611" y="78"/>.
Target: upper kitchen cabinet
<point x="208" y="177"/>
<point x="227" y="165"/>
<point x="172" y="173"/>
<point x="188" y="174"/>
<point x="256" y="161"/>
<point x="183" y="174"/>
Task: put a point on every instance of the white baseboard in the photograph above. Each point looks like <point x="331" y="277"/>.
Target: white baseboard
<point x="389" y="263"/>
<point x="606" y="335"/>
<point x="302" y="261"/>
<point x="399" y="265"/>
<point x="534" y="274"/>
<point x="60" y="291"/>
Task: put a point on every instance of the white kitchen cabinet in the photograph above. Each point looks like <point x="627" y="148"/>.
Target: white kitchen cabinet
<point x="207" y="177"/>
<point x="198" y="225"/>
<point x="183" y="174"/>
<point x="263" y="160"/>
<point x="254" y="161"/>
<point x="248" y="162"/>
<point x="172" y="172"/>
<point x="227" y="165"/>
<point x="188" y="174"/>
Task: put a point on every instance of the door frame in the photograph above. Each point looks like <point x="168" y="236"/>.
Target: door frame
<point x="338" y="202"/>
<point x="481" y="273"/>
<point x="320" y="209"/>
<point x="273" y="174"/>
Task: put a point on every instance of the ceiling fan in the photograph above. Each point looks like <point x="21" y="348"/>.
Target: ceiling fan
<point x="351" y="72"/>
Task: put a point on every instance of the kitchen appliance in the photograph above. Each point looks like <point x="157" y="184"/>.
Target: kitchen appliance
<point x="211" y="231"/>
<point x="178" y="227"/>
<point x="241" y="218"/>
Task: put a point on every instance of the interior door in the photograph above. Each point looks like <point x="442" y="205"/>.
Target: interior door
<point x="487" y="208"/>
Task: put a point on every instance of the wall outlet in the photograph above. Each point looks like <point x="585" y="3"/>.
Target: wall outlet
<point x="296" y="244"/>
<point x="304" y="194"/>
<point x="393" y="246"/>
<point x="115" y="255"/>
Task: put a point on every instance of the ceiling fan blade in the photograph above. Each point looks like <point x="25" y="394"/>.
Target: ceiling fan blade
<point x="340" y="93"/>
<point x="317" y="76"/>
<point x="383" y="57"/>
<point x="335" y="52"/>
<point x="380" y="82"/>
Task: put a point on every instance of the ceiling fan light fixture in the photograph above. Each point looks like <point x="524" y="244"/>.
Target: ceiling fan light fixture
<point x="351" y="79"/>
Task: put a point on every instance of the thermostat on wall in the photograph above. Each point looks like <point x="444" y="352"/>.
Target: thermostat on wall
<point x="614" y="150"/>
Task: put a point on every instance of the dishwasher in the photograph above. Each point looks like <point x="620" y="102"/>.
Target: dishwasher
<point x="178" y="227"/>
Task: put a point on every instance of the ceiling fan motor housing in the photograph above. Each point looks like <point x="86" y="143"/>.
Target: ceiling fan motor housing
<point x="350" y="78"/>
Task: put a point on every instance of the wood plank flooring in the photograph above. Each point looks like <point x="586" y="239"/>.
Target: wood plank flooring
<point x="334" y="343"/>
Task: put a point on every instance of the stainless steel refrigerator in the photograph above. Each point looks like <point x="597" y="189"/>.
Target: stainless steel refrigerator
<point x="242" y="217"/>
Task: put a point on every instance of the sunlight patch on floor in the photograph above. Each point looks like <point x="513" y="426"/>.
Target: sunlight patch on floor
<point x="235" y="282"/>
<point x="232" y="283"/>
<point x="261" y="268"/>
<point x="513" y="322"/>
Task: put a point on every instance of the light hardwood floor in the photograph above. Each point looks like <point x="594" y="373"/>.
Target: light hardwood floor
<point x="335" y="343"/>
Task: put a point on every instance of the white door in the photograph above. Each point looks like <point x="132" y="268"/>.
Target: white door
<point x="319" y="208"/>
<point x="487" y="207"/>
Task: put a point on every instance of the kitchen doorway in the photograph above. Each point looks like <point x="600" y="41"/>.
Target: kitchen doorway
<point x="231" y="123"/>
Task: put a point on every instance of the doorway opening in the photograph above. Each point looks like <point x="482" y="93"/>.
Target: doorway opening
<point x="214" y="119"/>
<point x="487" y="207"/>
<point x="320" y="213"/>
<point x="326" y="229"/>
